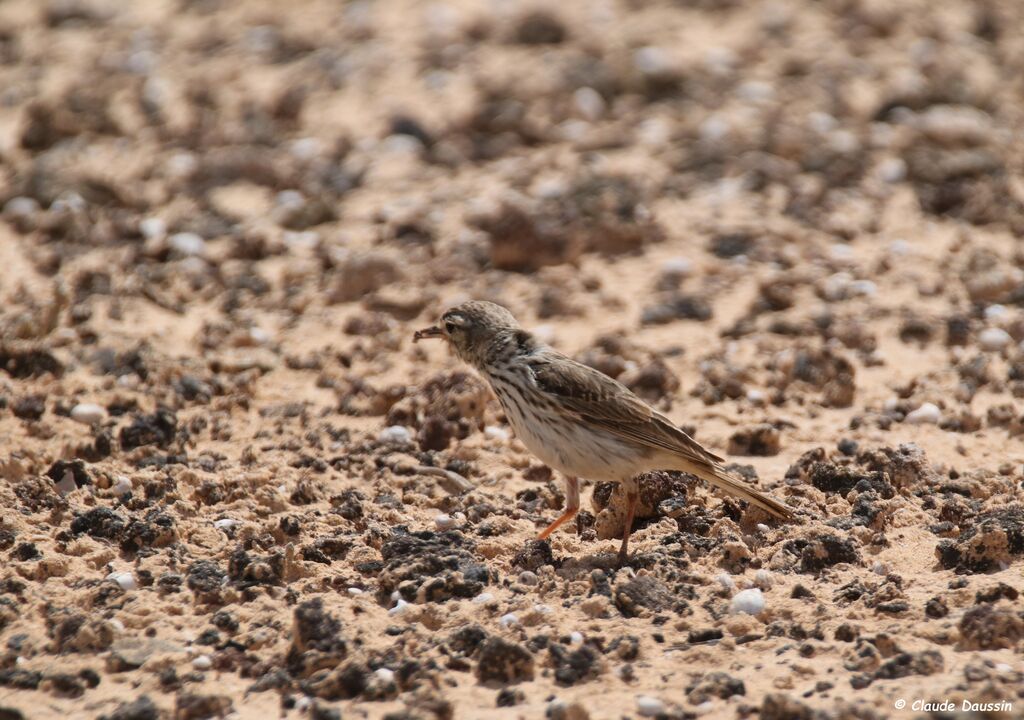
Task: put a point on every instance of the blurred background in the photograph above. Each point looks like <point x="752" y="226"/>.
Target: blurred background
<point x="794" y="225"/>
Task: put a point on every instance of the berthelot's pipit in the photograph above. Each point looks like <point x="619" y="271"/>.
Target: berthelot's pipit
<point x="576" y="419"/>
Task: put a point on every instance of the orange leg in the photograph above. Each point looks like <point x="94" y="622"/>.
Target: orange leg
<point x="572" y="506"/>
<point x="632" y="497"/>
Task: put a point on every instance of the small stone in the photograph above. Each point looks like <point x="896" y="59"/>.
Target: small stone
<point x="153" y="228"/>
<point x="385" y="676"/>
<point x="750" y="601"/>
<point x="121" y="486"/>
<point x="576" y="638"/>
<point x="763" y="579"/>
<point x="994" y="339"/>
<point x="225" y="524"/>
<point x="202" y="662"/>
<point x="88" y="413"/>
<point x="508" y="620"/>
<point x="354" y="591"/>
<point x="186" y="243"/>
<point x="589" y="103"/>
<point x="400" y="607"/>
<point x="483" y="598"/>
<point x="444" y="521"/>
<point x="124" y="579"/>
<point x="648" y="706"/>
<point x="492" y="432"/>
<point x="926" y="414"/>
<point x="396" y="434"/>
<point x="20" y="207"/>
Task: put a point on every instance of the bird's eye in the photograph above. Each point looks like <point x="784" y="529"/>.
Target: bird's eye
<point x="450" y="327"/>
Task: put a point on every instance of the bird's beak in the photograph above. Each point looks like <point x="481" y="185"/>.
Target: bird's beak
<point x="431" y="332"/>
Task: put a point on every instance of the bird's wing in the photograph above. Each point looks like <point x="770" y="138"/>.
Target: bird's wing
<point x="594" y="397"/>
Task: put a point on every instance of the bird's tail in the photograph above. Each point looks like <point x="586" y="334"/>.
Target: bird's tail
<point x="722" y="480"/>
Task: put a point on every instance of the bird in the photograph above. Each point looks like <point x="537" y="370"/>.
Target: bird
<point x="576" y="419"/>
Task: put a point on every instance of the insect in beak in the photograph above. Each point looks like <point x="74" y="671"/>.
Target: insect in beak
<point x="431" y="332"/>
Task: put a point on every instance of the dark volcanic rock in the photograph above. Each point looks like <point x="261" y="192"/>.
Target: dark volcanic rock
<point x="156" y="429"/>
<point x="317" y="640"/>
<point x="100" y="522"/>
<point x="995" y="538"/>
<point x="643" y="592"/>
<point x="823" y="551"/>
<point x="988" y="627"/>
<point x="431" y="567"/>
<point x="504" y="662"/>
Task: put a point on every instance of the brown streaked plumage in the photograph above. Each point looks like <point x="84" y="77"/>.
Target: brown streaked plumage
<point x="576" y="419"/>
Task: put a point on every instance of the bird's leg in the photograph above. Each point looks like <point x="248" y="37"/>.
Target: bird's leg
<point x="632" y="497"/>
<point x="572" y="506"/>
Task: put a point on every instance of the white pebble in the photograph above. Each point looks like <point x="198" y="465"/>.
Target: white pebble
<point x="508" y="620"/>
<point x="756" y="397"/>
<point x="648" y="706"/>
<point x="996" y="313"/>
<point x="202" y="662"/>
<point x="994" y="339"/>
<point x="677" y="267"/>
<point x="395" y="434"/>
<point x="443" y="521"/>
<point x="153" y="228"/>
<point x="484" y="597"/>
<point x="121" y="486"/>
<point x="66" y="484"/>
<point x="186" y="243"/>
<point x="493" y="432"/>
<point x="88" y="413"/>
<point x="763" y="579"/>
<point x="542" y="609"/>
<point x="927" y="414"/>
<point x="384" y="675"/>
<point x="125" y="579"/>
<point x="354" y="591"/>
<point x="400" y="607"/>
<point x="879" y="568"/>
<point x="589" y="103"/>
<point x="750" y="601"/>
<point x="892" y="170"/>
<point x="726" y="581"/>
<point x="21" y="207"/>
<point x="225" y="524"/>
<point x="576" y="638"/>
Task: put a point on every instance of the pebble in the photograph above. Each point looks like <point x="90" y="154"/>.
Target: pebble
<point x="994" y="339"/>
<point x="927" y="414"/>
<point x="756" y="397"/>
<point x="892" y="170"/>
<point x="677" y="267"/>
<point x="576" y="638"/>
<point x="726" y="581"/>
<point x="124" y="579"/>
<point x="484" y="597"/>
<point x="153" y="228"/>
<point x="763" y="579"/>
<point x="385" y="675"/>
<point x="508" y="620"/>
<point x="589" y="103"/>
<point x="225" y="524"/>
<point x="399" y="608"/>
<point x="493" y="432"/>
<point x="186" y="243"/>
<point x="121" y="486"/>
<point x="648" y="706"/>
<point x="19" y="207"/>
<point x="88" y="413"/>
<point x="66" y="484"/>
<point x="880" y="568"/>
<point x="528" y="577"/>
<point x="354" y="591"/>
<point x="996" y="313"/>
<point x="749" y="601"/>
<point x="443" y="521"/>
<point x="202" y="662"/>
<point x="395" y="434"/>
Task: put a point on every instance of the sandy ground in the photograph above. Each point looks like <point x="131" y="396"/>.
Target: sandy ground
<point x="235" y="488"/>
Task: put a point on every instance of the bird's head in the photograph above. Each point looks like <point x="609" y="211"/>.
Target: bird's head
<point x="473" y="329"/>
